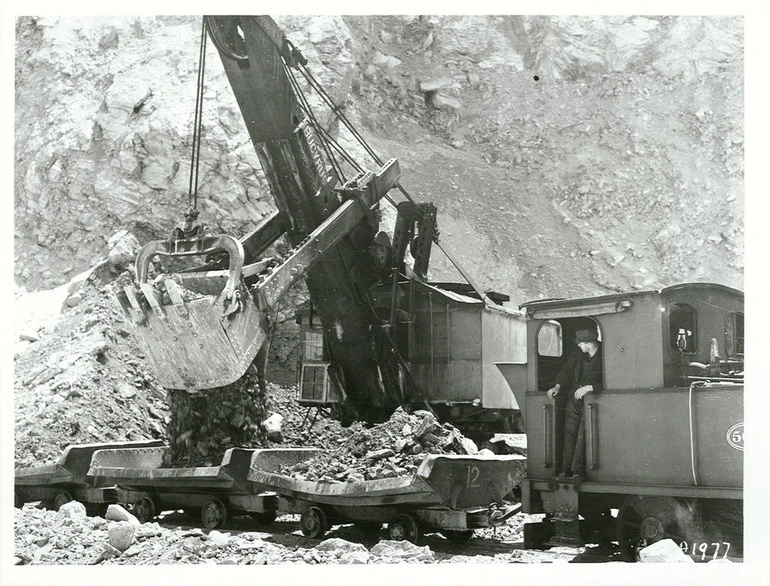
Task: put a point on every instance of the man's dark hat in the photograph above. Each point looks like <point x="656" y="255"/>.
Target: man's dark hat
<point x="586" y="336"/>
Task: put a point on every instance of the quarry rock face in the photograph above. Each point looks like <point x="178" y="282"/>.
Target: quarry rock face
<point x="585" y="133"/>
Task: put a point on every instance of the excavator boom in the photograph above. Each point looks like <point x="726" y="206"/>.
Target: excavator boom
<point x="203" y="328"/>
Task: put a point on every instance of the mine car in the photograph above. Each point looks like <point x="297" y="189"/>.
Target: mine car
<point x="663" y="439"/>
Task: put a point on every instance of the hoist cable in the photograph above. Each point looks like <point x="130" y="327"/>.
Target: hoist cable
<point x="338" y="113"/>
<point x="305" y="106"/>
<point x="197" y="122"/>
<point x="316" y="125"/>
<point x="338" y="147"/>
<point x="362" y="141"/>
<point x="341" y="116"/>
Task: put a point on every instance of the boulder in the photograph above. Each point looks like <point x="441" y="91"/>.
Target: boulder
<point x="464" y="445"/>
<point x="118" y="513"/>
<point x="402" y="550"/>
<point x="121" y="535"/>
<point x="133" y="550"/>
<point x="437" y="84"/>
<point x="341" y="546"/>
<point x="354" y="557"/>
<point x="121" y="249"/>
<point x="386" y="61"/>
<point x="73" y="510"/>
<point x="380" y="454"/>
<point x="144" y="530"/>
<point x="510" y="443"/>
<point x="218" y="538"/>
<point x="664" y="551"/>
<point x="427" y="423"/>
<point x="273" y="427"/>
<point x="444" y="102"/>
<point x="108" y="552"/>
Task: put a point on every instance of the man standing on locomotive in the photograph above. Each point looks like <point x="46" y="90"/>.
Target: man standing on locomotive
<point x="581" y="374"/>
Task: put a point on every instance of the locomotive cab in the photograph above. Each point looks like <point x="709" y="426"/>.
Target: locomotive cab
<point x="663" y="437"/>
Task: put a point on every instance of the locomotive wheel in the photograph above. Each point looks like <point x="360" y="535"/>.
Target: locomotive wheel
<point x="61" y="498"/>
<point x="403" y="527"/>
<point x="313" y="523"/>
<point x="644" y="520"/>
<point x="144" y="509"/>
<point x="368" y="527"/>
<point x="213" y="514"/>
<point x="264" y="519"/>
<point x="457" y="536"/>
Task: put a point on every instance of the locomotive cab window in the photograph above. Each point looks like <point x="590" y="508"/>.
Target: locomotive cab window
<point x="549" y="339"/>
<point x="734" y="335"/>
<point x="682" y="328"/>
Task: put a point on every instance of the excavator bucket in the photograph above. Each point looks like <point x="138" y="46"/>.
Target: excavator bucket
<point x="199" y="330"/>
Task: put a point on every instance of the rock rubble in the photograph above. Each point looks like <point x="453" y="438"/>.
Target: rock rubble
<point x="48" y="537"/>
<point x="394" y="448"/>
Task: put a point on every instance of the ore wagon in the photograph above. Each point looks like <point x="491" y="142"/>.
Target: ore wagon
<point x="448" y="493"/>
<point x="68" y="479"/>
<point x="147" y="485"/>
<point x="663" y="439"/>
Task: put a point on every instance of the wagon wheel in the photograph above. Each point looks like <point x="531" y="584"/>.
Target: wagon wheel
<point x="403" y="527"/>
<point x="213" y="514"/>
<point x="144" y="509"/>
<point x="644" y="520"/>
<point x="313" y="523"/>
<point x="264" y="518"/>
<point x="61" y="498"/>
<point x="457" y="536"/>
<point x="368" y="527"/>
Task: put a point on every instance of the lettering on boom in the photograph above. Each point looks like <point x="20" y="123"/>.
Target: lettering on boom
<point x="315" y="153"/>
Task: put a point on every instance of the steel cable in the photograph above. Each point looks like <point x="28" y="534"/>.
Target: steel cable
<point x="192" y="195"/>
<point x="362" y="141"/>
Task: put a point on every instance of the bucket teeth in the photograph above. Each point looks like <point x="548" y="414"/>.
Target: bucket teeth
<point x="154" y="298"/>
<point x="132" y="306"/>
<point x="132" y="300"/>
<point x="175" y="296"/>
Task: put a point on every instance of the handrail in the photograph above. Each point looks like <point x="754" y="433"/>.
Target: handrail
<point x="692" y="433"/>
<point x="592" y="439"/>
<point x="547" y="437"/>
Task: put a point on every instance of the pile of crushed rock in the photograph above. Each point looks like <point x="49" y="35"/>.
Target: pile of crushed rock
<point x="390" y="449"/>
<point x="79" y="376"/>
<point x="69" y="536"/>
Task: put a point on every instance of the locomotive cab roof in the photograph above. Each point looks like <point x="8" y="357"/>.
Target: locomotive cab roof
<point x="617" y="302"/>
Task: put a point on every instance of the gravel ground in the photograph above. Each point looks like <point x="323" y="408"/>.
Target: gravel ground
<point x="70" y="537"/>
